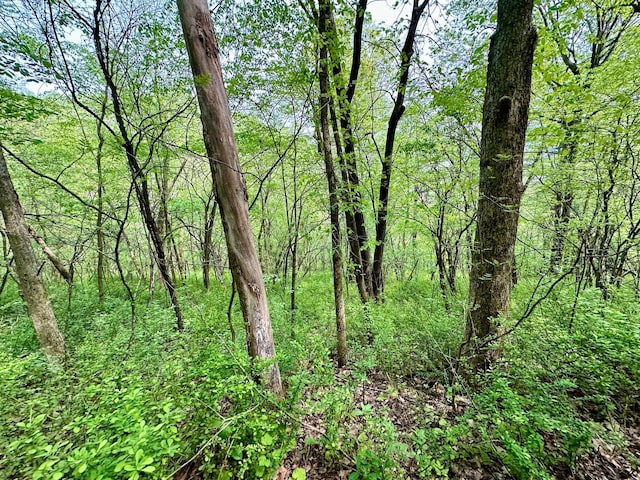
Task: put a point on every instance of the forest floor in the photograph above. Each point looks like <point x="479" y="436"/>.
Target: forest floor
<point x="564" y="403"/>
<point x="404" y="401"/>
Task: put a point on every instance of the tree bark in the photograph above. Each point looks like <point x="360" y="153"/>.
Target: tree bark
<point x="387" y="161"/>
<point x="324" y="13"/>
<point x="219" y="140"/>
<point x="356" y="227"/>
<point x="504" y="126"/>
<point x="31" y="285"/>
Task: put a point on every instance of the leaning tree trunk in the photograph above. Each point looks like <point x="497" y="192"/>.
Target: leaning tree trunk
<point x="231" y="192"/>
<point x="31" y="285"/>
<point x="504" y="126"/>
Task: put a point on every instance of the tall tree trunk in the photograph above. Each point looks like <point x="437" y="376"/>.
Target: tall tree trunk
<point x="347" y="197"/>
<point x="324" y="139"/>
<point x="504" y="126"/>
<point x="296" y="219"/>
<point x="165" y="229"/>
<point x="355" y="221"/>
<point x="387" y="161"/>
<point x="294" y="262"/>
<point x="564" y="196"/>
<point x="219" y="140"/>
<point x="439" y="247"/>
<point x="31" y="285"/>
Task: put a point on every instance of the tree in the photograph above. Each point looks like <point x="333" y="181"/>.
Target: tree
<point x="504" y="126"/>
<point x="387" y="160"/>
<point x="359" y="250"/>
<point x="324" y="143"/>
<point x="31" y="285"/>
<point x="139" y="126"/>
<point x="368" y="273"/>
<point x="231" y="193"/>
<point x="585" y="37"/>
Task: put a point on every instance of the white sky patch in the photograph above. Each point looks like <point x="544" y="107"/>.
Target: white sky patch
<point x="387" y="12"/>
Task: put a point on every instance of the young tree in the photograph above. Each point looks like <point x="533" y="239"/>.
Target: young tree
<point x="31" y="285"/>
<point x="504" y="126"/>
<point x="582" y="48"/>
<point x="138" y="127"/>
<point x="368" y="272"/>
<point x="359" y="250"/>
<point x="387" y="161"/>
<point x="220" y="143"/>
<point x="324" y="142"/>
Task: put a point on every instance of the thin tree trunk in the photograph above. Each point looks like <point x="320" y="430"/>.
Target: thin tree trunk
<point x="219" y="140"/>
<point x="5" y="277"/>
<point x="210" y="217"/>
<point x="100" y="217"/>
<point x="334" y="206"/>
<point x="294" y="266"/>
<point x="387" y="161"/>
<point x="438" y="243"/>
<point x="138" y="177"/>
<point x="504" y="126"/>
<point x="297" y="221"/>
<point x="32" y="287"/>
<point x="229" y="308"/>
<point x="356" y="227"/>
<point x="564" y="200"/>
<point x="355" y="249"/>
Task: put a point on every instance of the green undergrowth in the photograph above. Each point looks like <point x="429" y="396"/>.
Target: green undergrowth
<point x="139" y="400"/>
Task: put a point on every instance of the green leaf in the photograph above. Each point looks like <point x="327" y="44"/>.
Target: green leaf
<point x="236" y="453"/>
<point x="267" y="439"/>
<point x="299" y="474"/>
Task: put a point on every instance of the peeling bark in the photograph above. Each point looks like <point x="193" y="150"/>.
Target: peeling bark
<point x="231" y="193"/>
